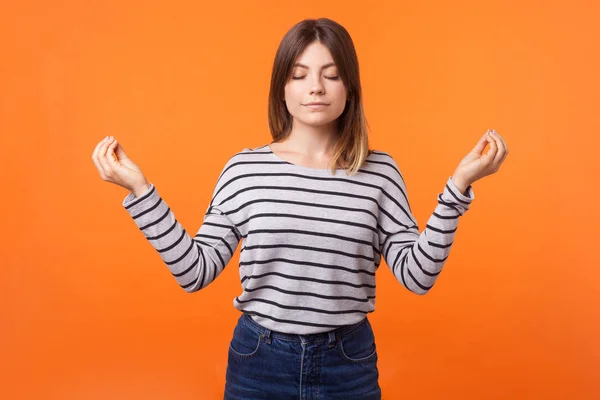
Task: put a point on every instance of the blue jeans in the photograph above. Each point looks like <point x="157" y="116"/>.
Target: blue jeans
<point x="264" y="364"/>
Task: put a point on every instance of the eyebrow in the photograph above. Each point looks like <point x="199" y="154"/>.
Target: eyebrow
<point x="306" y="66"/>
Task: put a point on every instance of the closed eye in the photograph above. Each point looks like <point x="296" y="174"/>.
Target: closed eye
<point x="333" y="78"/>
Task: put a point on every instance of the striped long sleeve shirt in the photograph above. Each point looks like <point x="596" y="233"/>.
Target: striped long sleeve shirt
<point x="311" y="240"/>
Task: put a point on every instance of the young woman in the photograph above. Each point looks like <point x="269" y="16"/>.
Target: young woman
<point x="316" y="211"/>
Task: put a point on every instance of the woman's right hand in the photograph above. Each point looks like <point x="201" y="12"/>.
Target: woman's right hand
<point x="115" y="167"/>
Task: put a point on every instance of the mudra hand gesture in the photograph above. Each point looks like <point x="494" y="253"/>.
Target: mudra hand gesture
<point x="116" y="167"/>
<point x="477" y="165"/>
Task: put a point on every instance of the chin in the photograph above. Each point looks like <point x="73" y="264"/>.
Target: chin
<point x="317" y="121"/>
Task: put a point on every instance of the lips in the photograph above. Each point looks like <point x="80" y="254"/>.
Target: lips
<point x="316" y="107"/>
<point x="316" y="104"/>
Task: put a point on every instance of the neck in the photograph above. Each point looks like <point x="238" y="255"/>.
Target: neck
<point x="311" y="140"/>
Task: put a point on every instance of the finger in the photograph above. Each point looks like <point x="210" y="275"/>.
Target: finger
<point x="120" y="152"/>
<point x="97" y="148"/>
<point x="500" y="154"/>
<point x="491" y="154"/>
<point x="110" y="153"/>
<point x="503" y="141"/>
<point x="103" y="159"/>
<point x="504" y="156"/>
<point x="95" y="156"/>
<point x="480" y="146"/>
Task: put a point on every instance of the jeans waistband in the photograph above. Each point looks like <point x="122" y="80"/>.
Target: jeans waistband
<point x="332" y="336"/>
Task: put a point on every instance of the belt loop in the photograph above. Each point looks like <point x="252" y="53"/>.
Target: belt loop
<point x="267" y="335"/>
<point x="331" y="339"/>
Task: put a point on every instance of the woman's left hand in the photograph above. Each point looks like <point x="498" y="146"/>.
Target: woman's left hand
<point x="477" y="165"/>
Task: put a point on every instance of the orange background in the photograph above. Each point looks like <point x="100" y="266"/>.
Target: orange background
<point x="88" y="309"/>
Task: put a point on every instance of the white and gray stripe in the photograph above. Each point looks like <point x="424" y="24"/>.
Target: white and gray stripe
<point x="311" y="241"/>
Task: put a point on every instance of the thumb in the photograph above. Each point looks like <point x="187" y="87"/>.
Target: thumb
<point x="480" y="146"/>
<point x="119" y="152"/>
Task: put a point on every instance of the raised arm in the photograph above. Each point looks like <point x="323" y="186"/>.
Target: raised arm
<point x="195" y="261"/>
<point x="416" y="258"/>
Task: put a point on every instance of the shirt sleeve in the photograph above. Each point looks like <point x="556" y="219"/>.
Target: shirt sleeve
<point x="195" y="261"/>
<point x="416" y="258"/>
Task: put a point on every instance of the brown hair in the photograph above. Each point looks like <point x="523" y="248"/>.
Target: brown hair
<point x="353" y="144"/>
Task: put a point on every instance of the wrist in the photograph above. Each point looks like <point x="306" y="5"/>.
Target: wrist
<point x="141" y="189"/>
<point x="461" y="185"/>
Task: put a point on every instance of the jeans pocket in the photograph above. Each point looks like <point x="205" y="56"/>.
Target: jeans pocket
<point x="245" y="341"/>
<point x="358" y="345"/>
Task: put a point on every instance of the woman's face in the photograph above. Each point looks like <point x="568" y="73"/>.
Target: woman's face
<point x="315" y="78"/>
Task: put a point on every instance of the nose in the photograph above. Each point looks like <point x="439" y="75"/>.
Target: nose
<point x="317" y="86"/>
